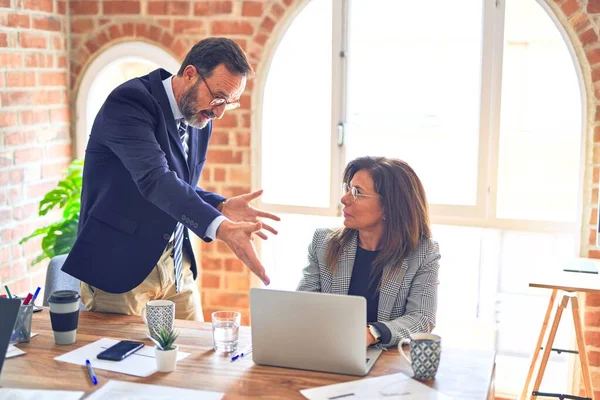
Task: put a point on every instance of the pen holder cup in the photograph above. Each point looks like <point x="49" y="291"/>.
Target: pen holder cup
<point x="22" y="329"/>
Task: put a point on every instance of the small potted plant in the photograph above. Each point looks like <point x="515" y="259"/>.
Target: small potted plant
<point x="165" y="350"/>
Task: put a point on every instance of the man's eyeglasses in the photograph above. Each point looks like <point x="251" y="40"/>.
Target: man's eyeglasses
<point x="354" y="192"/>
<point x="219" y="101"/>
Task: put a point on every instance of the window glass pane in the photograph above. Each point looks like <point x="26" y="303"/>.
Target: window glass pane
<point x="540" y="129"/>
<point x="296" y="113"/>
<point x="285" y="255"/>
<point x="110" y="77"/>
<point x="459" y="267"/>
<point x="527" y="256"/>
<point x="414" y="90"/>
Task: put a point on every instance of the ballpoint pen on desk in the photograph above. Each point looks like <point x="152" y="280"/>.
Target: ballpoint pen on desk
<point x="247" y="350"/>
<point x="91" y="372"/>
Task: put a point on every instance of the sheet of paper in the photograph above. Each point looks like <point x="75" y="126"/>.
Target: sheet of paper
<point x="395" y="386"/>
<point x="12" y="351"/>
<point x="26" y="394"/>
<point x="138" y="391"/>
<point x="141" y="363"/>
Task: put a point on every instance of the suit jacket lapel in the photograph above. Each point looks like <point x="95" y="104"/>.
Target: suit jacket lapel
<point x="343" y="273"/>
<point x="390" y="286"/>
<point x="159" y="93"/>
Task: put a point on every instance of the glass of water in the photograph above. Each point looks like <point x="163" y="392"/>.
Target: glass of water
<point x="226" y="327"/>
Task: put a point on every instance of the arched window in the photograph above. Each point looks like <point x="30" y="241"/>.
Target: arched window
<point x="112" y="67"/>
<point x="484" y="100"/>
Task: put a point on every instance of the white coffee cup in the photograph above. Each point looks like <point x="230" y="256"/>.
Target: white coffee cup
<point x="159" y="314"/>
<point x="64" y="315"/>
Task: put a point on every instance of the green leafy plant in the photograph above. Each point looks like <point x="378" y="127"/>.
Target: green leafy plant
<point x="165" y="338"/>
<point x="58" y="237"/>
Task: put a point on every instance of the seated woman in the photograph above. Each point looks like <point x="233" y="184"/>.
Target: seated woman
<point x="384" y="252"/>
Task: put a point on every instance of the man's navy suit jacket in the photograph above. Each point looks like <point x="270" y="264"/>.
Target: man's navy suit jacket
<point x="137" y="185"/>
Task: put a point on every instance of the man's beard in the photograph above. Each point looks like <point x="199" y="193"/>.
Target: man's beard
<point x="189" y="105"/>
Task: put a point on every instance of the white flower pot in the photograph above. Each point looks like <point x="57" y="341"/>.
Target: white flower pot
<point x="166" y="360"/>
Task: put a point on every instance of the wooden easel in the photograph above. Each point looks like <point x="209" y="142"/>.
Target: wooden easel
<point x="585" y="369"/>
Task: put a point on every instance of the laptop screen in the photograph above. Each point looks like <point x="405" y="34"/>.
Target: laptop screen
<point x="9" y="309"/>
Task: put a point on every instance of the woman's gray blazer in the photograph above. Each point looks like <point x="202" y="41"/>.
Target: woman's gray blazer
<point x="407" y="301"/>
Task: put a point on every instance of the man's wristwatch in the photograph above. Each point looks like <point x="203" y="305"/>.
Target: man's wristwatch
<point x="375" y="333"/>
<point x="220" y="205"/>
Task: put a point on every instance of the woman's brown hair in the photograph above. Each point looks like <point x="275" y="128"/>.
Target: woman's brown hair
<point x="404" y="204"/>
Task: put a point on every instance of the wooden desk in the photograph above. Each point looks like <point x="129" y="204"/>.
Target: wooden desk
<point x="463" y="374"/>
<point x="572" y="283"/>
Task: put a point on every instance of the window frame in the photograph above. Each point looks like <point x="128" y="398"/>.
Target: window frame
<point x="483" y="213"/>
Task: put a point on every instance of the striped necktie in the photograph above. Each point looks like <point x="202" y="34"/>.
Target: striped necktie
<point x="178" y="236"/>
<point x="182" y="126"/>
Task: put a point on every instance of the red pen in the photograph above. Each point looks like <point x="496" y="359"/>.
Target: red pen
<point x="27" y="299"/>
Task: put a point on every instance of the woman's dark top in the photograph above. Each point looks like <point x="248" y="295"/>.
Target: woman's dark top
<point x="362" y="284"/>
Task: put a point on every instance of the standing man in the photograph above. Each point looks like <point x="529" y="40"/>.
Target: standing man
<point x="143" y="161"/>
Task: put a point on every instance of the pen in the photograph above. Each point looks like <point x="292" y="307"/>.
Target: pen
<point x="8" y="292"/>
<point x="27" y="299"/>
<point x="91" y="372"/>
<point x="242" y="353"/>
<point x="341" y="396"/>
<point x="35" y="295"/>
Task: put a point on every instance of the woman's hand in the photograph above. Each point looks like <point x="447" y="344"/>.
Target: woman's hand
<point x="370" y="339"/>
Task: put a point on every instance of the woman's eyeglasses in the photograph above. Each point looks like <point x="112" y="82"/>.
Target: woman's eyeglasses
<point x="353" y="192"/>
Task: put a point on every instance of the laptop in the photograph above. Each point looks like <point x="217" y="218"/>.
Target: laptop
<point x="312" y="331"/>
<point x="9" y="309"/>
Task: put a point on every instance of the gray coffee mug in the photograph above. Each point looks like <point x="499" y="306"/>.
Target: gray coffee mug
<point x="425" y="354"/>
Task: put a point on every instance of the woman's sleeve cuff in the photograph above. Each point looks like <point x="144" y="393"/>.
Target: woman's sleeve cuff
<point x="386" y="333"/>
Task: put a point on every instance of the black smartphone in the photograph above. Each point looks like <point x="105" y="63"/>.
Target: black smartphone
<point x="120" y="351"/>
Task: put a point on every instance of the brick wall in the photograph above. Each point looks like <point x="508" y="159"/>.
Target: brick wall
<point x="35" y="143"/>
